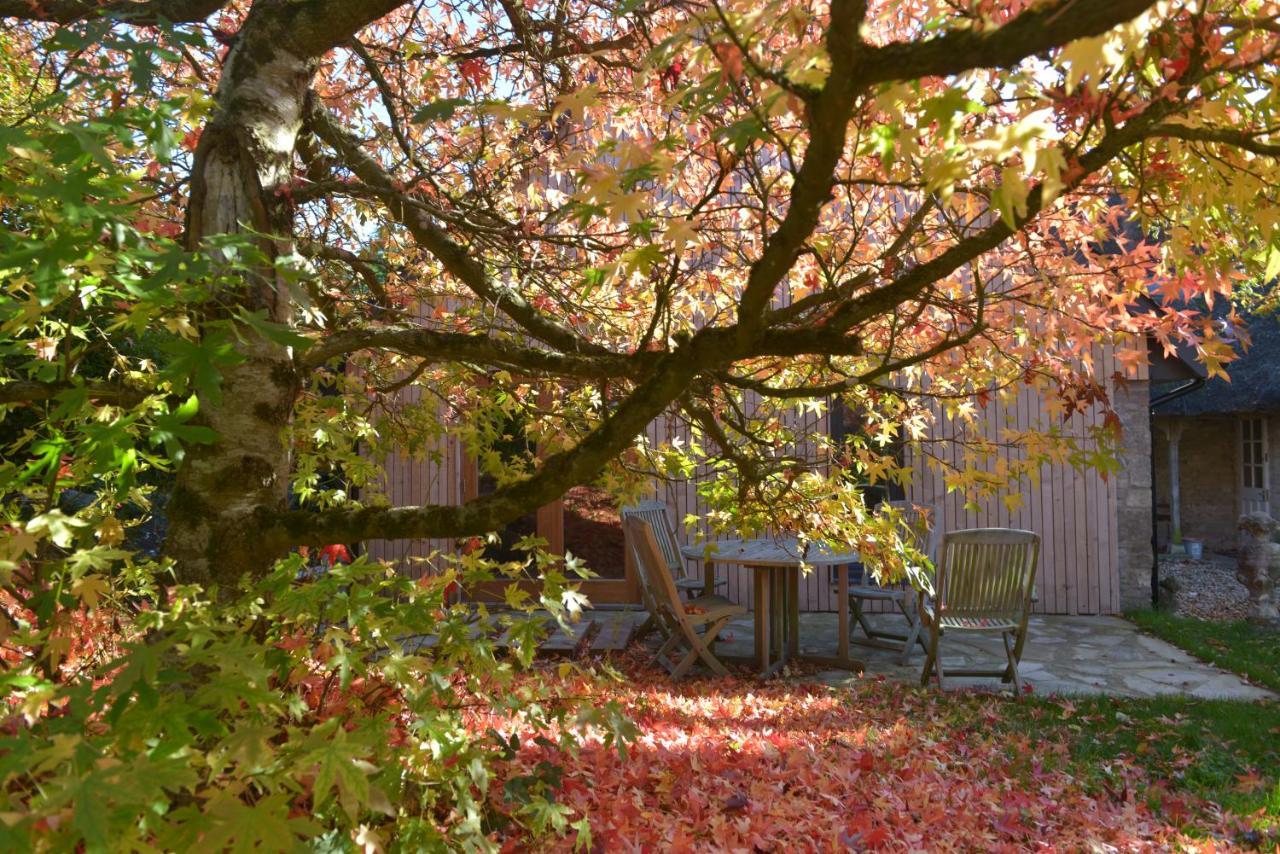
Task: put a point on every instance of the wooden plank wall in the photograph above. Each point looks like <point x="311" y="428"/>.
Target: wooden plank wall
<point x="1074" y="512"/>
<point x="417" y="480"/>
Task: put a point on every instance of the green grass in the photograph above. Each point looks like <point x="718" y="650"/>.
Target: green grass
<point x="1225" y="751"/>
<point x="1252" y="651"/>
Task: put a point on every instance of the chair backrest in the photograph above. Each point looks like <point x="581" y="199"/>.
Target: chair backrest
<point x="987" y="573"/>
<point x="922" y="521"/>
<point x="653" y="570"/>
<point x="655" y="513"/>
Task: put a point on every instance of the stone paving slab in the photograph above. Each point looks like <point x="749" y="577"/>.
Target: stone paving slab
<point x="1063" y="655"/>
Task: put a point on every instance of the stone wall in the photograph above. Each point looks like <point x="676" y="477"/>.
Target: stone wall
<point x="1208" y="478"/>
<point x="1133" y="495"/>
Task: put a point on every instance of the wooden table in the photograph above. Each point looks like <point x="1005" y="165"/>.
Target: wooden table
<point x="775" y="566"/>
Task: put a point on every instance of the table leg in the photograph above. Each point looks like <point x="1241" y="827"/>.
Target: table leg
<point x="778" y="604"/>
<point x="760" y="583"/>
<point x="708" y="577"/>
<point x="792" y="580"/>
<point x="842" y="609"/>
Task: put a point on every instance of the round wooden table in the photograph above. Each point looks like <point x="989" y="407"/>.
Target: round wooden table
<point x="775" y="565"/>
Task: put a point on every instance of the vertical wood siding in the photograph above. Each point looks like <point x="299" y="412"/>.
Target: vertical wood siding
<point x="1074" y="512"/>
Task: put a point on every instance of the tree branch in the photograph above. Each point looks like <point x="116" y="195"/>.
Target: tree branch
<point x="140" y="12"/>
<point x="440" y="346"/>
<point x="455" y="257"/>
<point x="361" y="268"/>
<point x="23" y="391"/>
<point x="1223" y="136"/>
<point x="1032" y="32"/>
<point x="556" y="474"/>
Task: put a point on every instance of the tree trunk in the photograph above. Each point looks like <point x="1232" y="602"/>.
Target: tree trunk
<point x="1258" y="566"/>
<point x="240" y="183"/>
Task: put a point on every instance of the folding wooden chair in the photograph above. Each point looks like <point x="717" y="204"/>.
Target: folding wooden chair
<point x="679" y="619"/>
<point x="984" y="583"/>
<point x="922" y="524"/>
<point x="655" y="513"/>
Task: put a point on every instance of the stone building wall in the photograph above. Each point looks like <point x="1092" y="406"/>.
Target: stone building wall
<point x="1133" y="495"/>
<point x="1208" y="478"/>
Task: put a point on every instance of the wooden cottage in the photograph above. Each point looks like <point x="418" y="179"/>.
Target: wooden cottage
<point x="1096" y="530"/>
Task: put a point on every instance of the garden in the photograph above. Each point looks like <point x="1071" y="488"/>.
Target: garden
<point x="620" y="424"/>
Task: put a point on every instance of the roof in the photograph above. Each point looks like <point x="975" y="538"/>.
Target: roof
<point x="1255" y="378"/>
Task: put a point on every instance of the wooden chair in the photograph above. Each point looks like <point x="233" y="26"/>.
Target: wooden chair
<point x="681" y="620"/>
<point x="922" y="522"/>
<point x="655" y="513"/>
<point x="985" y="582"/>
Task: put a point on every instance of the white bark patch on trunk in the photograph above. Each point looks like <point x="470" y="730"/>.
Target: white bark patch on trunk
<point x="243" y="173"/>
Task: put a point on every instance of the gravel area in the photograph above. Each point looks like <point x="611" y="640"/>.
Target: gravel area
<point x="1207" y="588"/>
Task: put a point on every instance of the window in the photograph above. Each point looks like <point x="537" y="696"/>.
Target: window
<point x="844" y="426"/>
<point x="1253" y="455"/>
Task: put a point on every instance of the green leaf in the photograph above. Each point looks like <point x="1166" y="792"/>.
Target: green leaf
<point x="90" y="817"/>
<point x="200" y="363"/>
<point x="438" y="110"/>
<point x="57" y="526"/>
<point x="276" y="333"/>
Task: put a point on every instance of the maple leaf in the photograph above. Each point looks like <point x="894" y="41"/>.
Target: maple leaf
<point x="1249" y="782"/>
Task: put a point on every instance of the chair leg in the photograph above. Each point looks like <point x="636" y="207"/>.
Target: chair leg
<point x="860" y="616"/>
<point x="1010" y="650"/>
<point x="931" y="658"/>
<point x="942" y="686"/>
<point x="685" y="663"/>
<point x="913" y="636"/>
<point x="643" y="630"/>
<point x="704" y="650"/>
<point x="671" y="642"/>
<point x="913" y="630"/>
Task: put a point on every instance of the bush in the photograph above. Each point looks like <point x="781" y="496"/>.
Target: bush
<point x="333" y="707"/>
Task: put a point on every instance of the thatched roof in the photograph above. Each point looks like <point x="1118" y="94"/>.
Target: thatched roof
<point x="1254" y="384"/>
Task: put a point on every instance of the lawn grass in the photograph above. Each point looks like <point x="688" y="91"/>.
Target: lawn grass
<point x="1225" y="751"/>
<point x="1241" y="647"/>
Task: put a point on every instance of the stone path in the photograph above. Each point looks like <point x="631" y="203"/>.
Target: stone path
<point x="1063" y="655"/>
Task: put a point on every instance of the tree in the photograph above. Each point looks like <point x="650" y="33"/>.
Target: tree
<point x="238" y="235"/>
<point x="634" y="208"/>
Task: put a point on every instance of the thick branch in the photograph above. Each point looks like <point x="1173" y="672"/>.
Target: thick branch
<point x="1223" y="136"/>
<point x="1032" y="32"/>
<point x="828" y="125"/>
<point x="439" y="346"/>
<point x="314" y="27"/>
<point x="141" y="12"/>
<point x="455" y="257"/>
<point x="556" y="475"/>
<point x="23" y="391"/>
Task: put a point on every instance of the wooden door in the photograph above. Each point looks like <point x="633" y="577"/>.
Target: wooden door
<point x="1255" y="476"/>
<point x="584" y="523"/>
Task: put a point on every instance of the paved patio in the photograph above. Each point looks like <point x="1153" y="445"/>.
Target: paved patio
<point x="1063" y="655"/>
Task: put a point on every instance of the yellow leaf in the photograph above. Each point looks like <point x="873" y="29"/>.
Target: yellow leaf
<point x="16" y="543"/>
<point x="110" y="531"/>
<point x="679" y="232"/>
<point x="90" y="589"/>
<point x="575" y="103"/>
